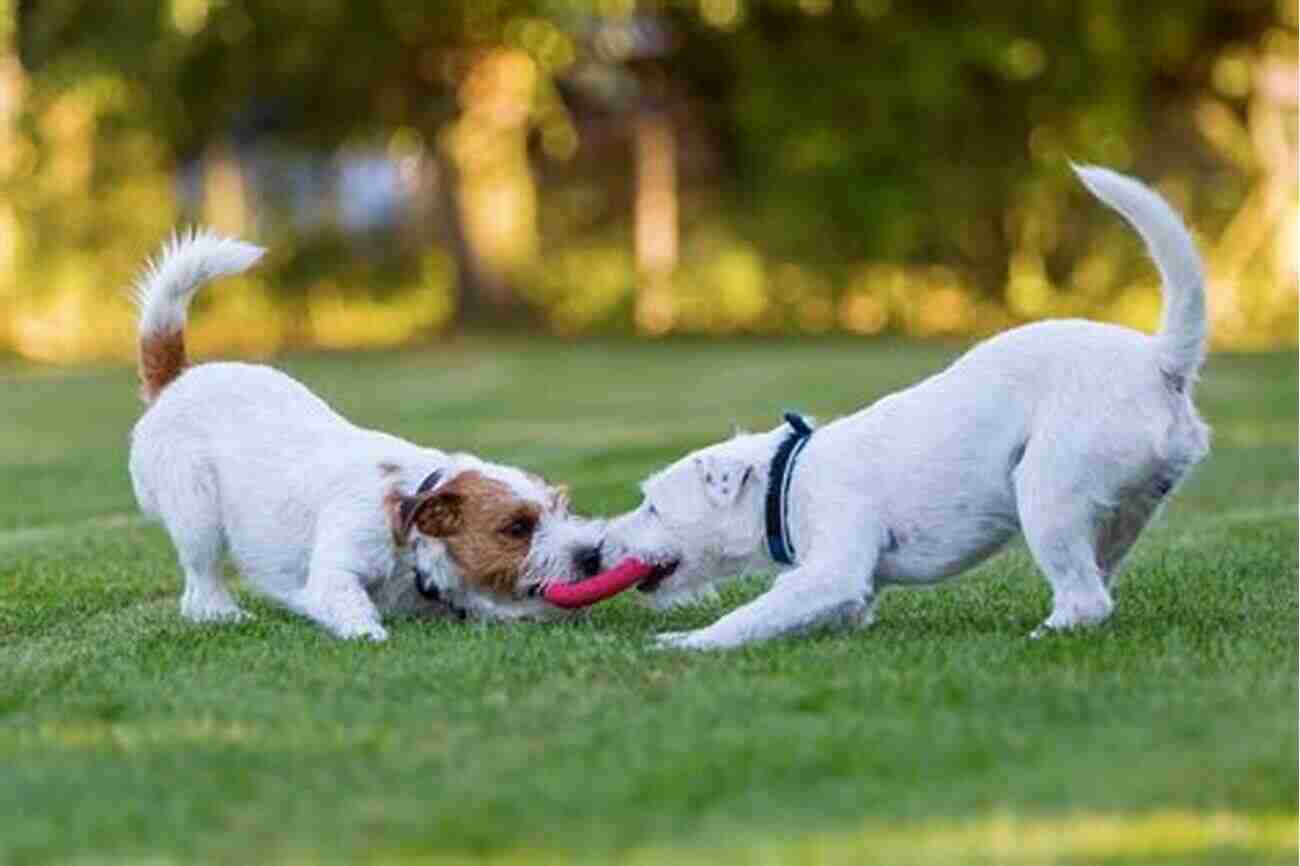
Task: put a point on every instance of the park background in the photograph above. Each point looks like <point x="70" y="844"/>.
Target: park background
<point x="585" y="237"/>
<point x="584" y="167"/>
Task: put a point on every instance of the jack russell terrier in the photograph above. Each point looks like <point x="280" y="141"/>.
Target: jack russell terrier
<point x="336" y="522"/>
<point x="1070" y="432"/>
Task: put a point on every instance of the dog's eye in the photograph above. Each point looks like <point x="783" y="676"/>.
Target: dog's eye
<point x="520" y="527"/>
<point x="651" y="510"/>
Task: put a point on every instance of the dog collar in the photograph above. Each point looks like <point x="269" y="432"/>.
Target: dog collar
<point x="430" y="481"/>
<point x="778" y="488"/>
<point x="423" y="585"/>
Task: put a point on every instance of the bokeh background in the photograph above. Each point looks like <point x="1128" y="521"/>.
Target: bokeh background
<point x="575" y="167"/>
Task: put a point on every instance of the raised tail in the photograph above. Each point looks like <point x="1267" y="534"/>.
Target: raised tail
<point x="1180" y="342"/>
<point x="163" y="292"/>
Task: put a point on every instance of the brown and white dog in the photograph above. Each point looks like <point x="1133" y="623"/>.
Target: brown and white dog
<point x="336" y="522"/>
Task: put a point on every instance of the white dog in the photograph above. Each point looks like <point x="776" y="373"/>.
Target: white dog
<point x="1070" y="432"/>
<point x="334" y="521"/>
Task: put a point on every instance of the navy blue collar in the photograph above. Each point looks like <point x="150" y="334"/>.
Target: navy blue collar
<point x="778" y="488"/>
<point x="423" y="585"/>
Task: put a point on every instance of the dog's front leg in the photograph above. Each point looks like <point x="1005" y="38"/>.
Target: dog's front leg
<point x="830" y="594"/>
<point x="335" y="598"/>
<point x="334" y="595"/>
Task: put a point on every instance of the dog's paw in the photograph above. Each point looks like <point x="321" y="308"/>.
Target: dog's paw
<point x="216" y="615"/>
<point x="686" y="640"/>
<point x="371" y="631"/>
<point x="1074" y="620"/>
<point x="1047" y="630"/>
<point x="670" y="639"/>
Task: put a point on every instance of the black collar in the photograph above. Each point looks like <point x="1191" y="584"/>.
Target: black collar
<point x="778" y="488"/>
<point x="423" y="585"/>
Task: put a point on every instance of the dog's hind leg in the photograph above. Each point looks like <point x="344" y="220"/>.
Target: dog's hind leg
<point x="1060" y="520"/>
<point x="1120" y="526"/>
<point x="190" y="510"/>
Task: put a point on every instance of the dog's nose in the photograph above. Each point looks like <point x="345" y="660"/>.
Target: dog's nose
<point x="587" y="561"/>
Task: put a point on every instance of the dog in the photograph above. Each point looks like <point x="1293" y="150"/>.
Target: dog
<point x="338" y="523"/>
<point x="1069" y="432"/>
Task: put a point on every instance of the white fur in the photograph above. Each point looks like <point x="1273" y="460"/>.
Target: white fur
<point x="189" y="259"/>
<point x="1070" y="432"/>
<point x="243" y="459"/>
<point x="1180" y="342"/>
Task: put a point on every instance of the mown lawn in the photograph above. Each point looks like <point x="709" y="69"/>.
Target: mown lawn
<point x="942" y="735"/>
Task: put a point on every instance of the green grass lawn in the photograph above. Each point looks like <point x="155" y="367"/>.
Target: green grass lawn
<point x="941" y="735"/>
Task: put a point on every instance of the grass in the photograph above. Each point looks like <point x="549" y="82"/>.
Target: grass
<point x="941" y="735"/>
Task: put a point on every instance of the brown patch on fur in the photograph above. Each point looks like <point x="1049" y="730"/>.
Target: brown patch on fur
<point x="487" y="529"/>
<point x="387" y="467"/>
<point x="438" y="515"/>
<point x="162" y="359"/>
<point x="393" y="509"/>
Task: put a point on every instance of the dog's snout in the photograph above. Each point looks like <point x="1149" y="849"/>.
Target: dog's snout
<point x="587" y="561"/>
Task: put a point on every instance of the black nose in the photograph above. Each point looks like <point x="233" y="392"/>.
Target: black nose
<point x="587" y="561"/>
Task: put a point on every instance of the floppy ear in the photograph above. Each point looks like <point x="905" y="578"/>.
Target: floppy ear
<point x="723" y="478"/>
<point x="436" y="515"/>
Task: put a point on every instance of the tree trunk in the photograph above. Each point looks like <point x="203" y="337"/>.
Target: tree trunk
<point x="655" y="219"/>
<point x="474" y="285"/>
<point x="486" y="187"/>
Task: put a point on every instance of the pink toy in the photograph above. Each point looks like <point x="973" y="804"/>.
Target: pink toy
<point x="609" y="583"/>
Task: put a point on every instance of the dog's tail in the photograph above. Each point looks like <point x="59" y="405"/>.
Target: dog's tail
<point x="1180" y="342"/>
<point x="162" y="294"/>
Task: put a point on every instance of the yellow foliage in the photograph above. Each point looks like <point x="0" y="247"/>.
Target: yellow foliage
<point x="84" y="201"/>
<point x="340" y="323"/>
<point x="581" y="287"/>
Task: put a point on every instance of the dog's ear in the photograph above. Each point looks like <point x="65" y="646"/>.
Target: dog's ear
<point x="436" y="515"/>
<point x="723" y="478"/>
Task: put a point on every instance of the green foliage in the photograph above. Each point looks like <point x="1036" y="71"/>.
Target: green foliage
<point x="901" y="135"/>
<point x="819" y="141"/>
<point x="939" y="735"/>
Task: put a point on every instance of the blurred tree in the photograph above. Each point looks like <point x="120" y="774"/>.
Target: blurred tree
<point x="743" y="165"/>
<point x="13" y="82"/>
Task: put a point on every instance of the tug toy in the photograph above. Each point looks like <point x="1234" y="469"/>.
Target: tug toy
<point x="607" y="584"/>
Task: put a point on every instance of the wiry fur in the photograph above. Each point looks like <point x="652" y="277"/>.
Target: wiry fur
<point x="163" y="292"/>
<point x="1070" y="432"/>
<point x="242" y="459"/>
